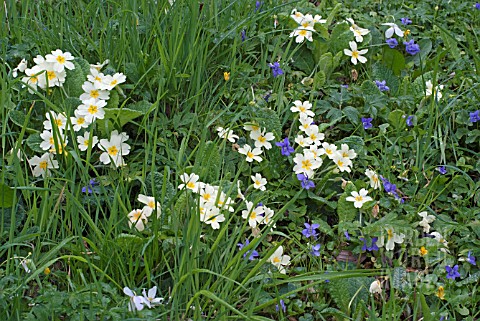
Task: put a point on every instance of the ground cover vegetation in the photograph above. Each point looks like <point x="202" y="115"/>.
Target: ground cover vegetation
<point x="239" y="160"/>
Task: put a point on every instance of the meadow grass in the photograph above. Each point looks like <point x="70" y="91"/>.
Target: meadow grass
<point x="68" y="248"/>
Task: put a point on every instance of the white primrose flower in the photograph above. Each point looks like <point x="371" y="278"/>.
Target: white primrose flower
<point x="42" y="164"/>
<point x="302" y="108"/>
<point x="223" y="202"/>
<point x="375" y="287"/>
<point x="253" y="214"/>
<point x="22" y="66"/>
<point x="251" y="127"/>
<point x="259" y="182"/>
<point x="357" y="31"/>
<point x="280" y="260"/>
<point x="343" y="163"/>
<point x="212" y="217"/>
<point x="426" y="220"/>
<point x="303" y="32"/>
<point x="359" y="198"/>
<point x="355" y="53"/>
<point x="346" y="152"/>
<point x="328" y="149"/>
<point x="60" y="120"/>
<point x="96" y="78"/>
<point x="429" y="90"/>
<point x="252" y="154"/>
<point x="51" y="143"/>
<point x="92" y="109"/>
<point x="136" y="302"/>
<point x="208" y="194"/>
<point x="301" y="141"/>
<point x="150" y="299"/>
<point x="314" y="137"/>
<point x="297" y="16"/>
<point x="316" y="18"/>
<point x="305" y="122"/>
<point x="109" y="82"/>
<point x="392" y="238"/>
<point x="394" y="29"/>
<point x="267" y="216"/>
<point x="60" y="60"/>
<point x="90" y="91"/>
<point x="79" y="121"/>
<point x="150" y="205"/>
<point x="84" y="141"/>
<point x="114" y="149"/>
<point x="227" y="133"/>
<point x="262" y="139"/>
<point x="440" y="239"/>
<point x="190" y="182"/>
<point x="374" y="179"/>
<point x="306" y="163"/>
<point x="32" y="79"/>
<point x="138" y="219"/>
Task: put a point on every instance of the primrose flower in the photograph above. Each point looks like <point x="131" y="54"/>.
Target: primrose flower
<point x="305" y="31"/>
<point x="79" y="121"/>
<point x="212" y="217"/>
<point x="22" y="66"/>
<point x="190" y="182"/>
<point x="297" y="16"/>
<point x="393" y="29"/>
<point x="314" y="137"/>
<point x="310" y="230"/>
<point x="138" y="218"/>
<point x="252" y="254"/>
<point x="429" y="90"/>
<point x="150" y="298"/>
<point x="440" y="239"/>
<point x="301" y="141"/>
<point x="305" y="122"/>
<point x="346" y="152"/>
<point x="355" y="54"/>
<point x="60" y="60"/>
<point x="306" y="163"/>
<point x="92" y="109"/>
<point x="392" y="42"/>
<point x="84" y="141"/>
<point x="32" y="79"/>
<point x="357" y="31"/>
<point x="392" y="238"/>
<point x="136" y="302"/>
<point x="285" y="146"/>
<point x="150" y="205"/>
<point x="328" y="149"/>
<point x="302" y="108"/>
<point x="267" y="215"/>
<point x="251" y="127"/>
<point x="305" y="182"/>
<point x="259" y="182"/>
<point x="280" y="260"/>
<point x="375" y="287"/>
<point x="49" y="141"/>
<point x="452" y="273"/>
<point x="276" y="70"/>
<point x="359" y="198"/>
<point x="96" y="78"/>
<point x="114" y="149"/>
<point x="343" y="163"/>
<point x="42" y="164"/>
<point x="262" y="139"/>
<point x="60" y="120"/>
<point x="426" y="219"/>
<point x="90" y="91"/>
<point x="109" y="82"/>
<point x="253" y="214"/>
<point x="374" y="180"/>
<point x="227" y="133"/>
<point x="252" y="154"/>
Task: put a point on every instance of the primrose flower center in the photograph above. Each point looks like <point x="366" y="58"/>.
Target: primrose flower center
<point x="340" y="163"/>
<point x="43" y="165"/>
<point x="61" y="60"/>
<point x="80" y="120"/>
<point x="151" y="204"/>
<point x="113" y="151"/>
<point x="359" y="198"/>
<point x="98" y="78"/>
<point x="94" y="94"/>
<point x="114" y="82"/>
<point x="51" y="75"/>
<point x="58" y="122"/>
<point x="207" y="196"/>
<point x="250" y="154"/>
<point x="328" y="151"/>
<point x="92" y="109"/>
<point x="34" y="80"/>
<point x="302" y="109"/>
<point x="276" y="259"/>
<point x="86" y="142"/>
<point x="302" y="32"/>
<point x="355" y="54"/>
<point x="51" y="141"/>
<point x="191" y="185"/>
<point x="306" y="164"/>
<point x="253" y="215"/>
<point x="137" y="215"/>
<point x="390" y="234"/>
<point x="258" y="183"/>
<point x="262" y="139"/>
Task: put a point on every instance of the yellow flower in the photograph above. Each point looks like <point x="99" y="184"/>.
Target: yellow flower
<point x="423" y="251"/>
<point x="406" y="33"/>
<point x="226" y="75"/>
<point x="47" y="271"/>
<point x="440" y="293"/>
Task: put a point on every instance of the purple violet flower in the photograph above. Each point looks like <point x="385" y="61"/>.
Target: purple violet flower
<point x="276" y="70"/>
<point x="243" y="35"/>
<point x="391" y="188"/>
<point x="475" y="116"/>
<point x="442" y="170"/>
<point x="310" y="230"/>
<point x="477" y="6"/>
<point x="285" y="145"/>
<point x="258" y="4"/>
<point x="382" y="85"/>
<point x="372" y="248"/>
<point x="392" y="42"/>
<point x="409" y="121"/>
<point x="89" y="188"/>
<point x="471" y="258"/>
<point x="305" y="182"/>
<point x="452" y="273"/>
<point x="252" y="253"/>
<point x="316" y="250"/>
<point x="367" y="123"/>
<point x="282" y="304"/>
<point x="405" y="21"/>
<point x="411" y="47"/>
<point x="347" y="236"/>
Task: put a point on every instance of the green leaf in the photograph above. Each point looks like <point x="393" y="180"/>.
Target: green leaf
<point x="158" y="182"/>
<point x="345" y="209"/>
<point x="340" y="37"/>
<point x="34" y="141"/>
<point x="322" y="200"/>
<point x="352" y="114"/>
<point x="354" y="142"/>
<point x="319" y="79"/>
<point x="394" y="60"/>
<point x="74" y="80"/>
<point x="395" y="118"/>
<point x="19" y="119"/>
<point x="269" y="119"/>
<point x="6" y="196"/>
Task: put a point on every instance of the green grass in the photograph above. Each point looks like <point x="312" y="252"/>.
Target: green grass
<point x="80" y="248"/>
